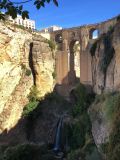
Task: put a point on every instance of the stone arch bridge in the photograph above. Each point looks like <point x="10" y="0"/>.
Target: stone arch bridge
<point x="65" y="65"/>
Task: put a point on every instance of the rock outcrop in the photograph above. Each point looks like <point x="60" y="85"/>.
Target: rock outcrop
<point x="101" y="126"/>
<point x="106" y="61"/>
<point x="104" y="114"/>
<point x="106" y="78"/>
<point x="17" y="59"/>
<point x="43" y="65"/>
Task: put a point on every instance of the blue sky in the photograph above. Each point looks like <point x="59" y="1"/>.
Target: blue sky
<point x="70" y="14"/>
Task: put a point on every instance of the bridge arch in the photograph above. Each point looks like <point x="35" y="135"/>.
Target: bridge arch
<point x="94" y="33"/>
<point x="74" y="61"/>
<point x="58" y="38"/>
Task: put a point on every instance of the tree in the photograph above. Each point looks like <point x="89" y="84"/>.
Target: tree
<point x="13" y="8"/>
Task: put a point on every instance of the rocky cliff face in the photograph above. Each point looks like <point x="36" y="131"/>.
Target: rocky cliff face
<point x="43" y="65"/>
<point x="106" y="78"/>
<point x="19" y="65"/>
<point x="106" y="61"/>
<point x="104" y="114"/>
<point x="26" y="59"/>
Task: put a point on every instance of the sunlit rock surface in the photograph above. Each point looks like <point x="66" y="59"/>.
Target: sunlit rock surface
<point x="15" y="83"/>
<point x="43" y="65"/>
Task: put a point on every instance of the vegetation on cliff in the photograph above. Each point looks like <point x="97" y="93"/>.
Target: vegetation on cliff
<point x="26" y="71"/>
<point x="77" y="130"/>
<point x="33" y="101"/>
<point x="105" y="117"/>
<point x="111" y="103"/>
<point x="28" y="152"/>
<point x="51" y="44"/>
<point x="80" y="137"/>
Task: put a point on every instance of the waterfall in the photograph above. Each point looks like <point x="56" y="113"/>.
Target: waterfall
<point x="57" y="146"/>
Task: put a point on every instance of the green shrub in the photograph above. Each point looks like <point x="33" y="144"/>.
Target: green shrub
<point x="80" y="94"/>
<point x="28" y="72"/>
<point x="81" y="104"/>
<point x="111" y="109"/>
<point x="30" y="107"/>
<point x="104" y="147"/>
<point x="75" y="155"/>
<point x="51" y="44"/>
<point x="113" y="152"/>
<point x="79" y="132"/>
<point x="109" y="106"/>
<point x="115" y="155"/>
<point x="77" y="110"/>
<point x="33" y="101"/>
<point x="33" y="96"/>
<point x="54" y="75"/>
<point x="108" y="101"/>
<point x="76" y="135"/>
<point x="28" y="152"/>
<point x="105" y="104"/>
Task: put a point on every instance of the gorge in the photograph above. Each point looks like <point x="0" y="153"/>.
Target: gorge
<point x="46" y="105"/>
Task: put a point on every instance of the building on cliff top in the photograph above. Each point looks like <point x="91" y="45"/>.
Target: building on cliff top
<point x="27" y="23"/>
<point x="51" y="29"/>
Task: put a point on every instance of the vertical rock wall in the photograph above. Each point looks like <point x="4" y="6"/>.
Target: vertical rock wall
<point x="106" y="61"/>
<point x="16" y="76"/>
<point x="43" y="65"/>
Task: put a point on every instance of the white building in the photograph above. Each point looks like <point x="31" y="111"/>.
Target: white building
<point x="51" y="29"/>
<point x="27" y="23"/>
